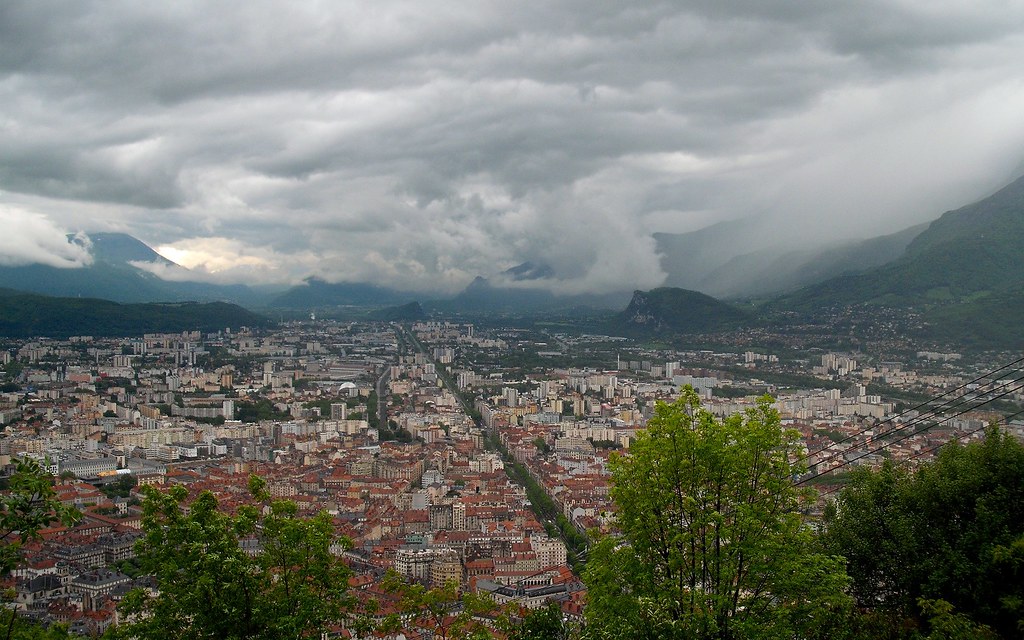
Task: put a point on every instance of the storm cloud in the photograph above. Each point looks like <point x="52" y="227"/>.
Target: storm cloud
<point x="419" y="144"/>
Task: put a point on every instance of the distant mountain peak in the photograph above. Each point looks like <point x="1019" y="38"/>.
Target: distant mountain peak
<point x="679" y="310"/>
<point x="529" y="271"/>
<point x="123" y="269"/>
<point x="121" y="248"/>
<point x="479" y="283"/>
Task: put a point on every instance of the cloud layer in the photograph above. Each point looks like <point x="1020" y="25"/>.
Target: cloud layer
<point x="419" y="144"/>
<point x="30" y="238"/>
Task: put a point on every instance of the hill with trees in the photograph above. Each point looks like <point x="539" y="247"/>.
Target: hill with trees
<point x="405" y="313"/>
<point x="668" y="309"/>
<point x="25" y="315"/>
<point x="955" y="274"/>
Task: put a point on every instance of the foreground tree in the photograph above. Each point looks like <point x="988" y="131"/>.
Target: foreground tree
<point x="545" y="623"/>
<point x="944" y="543"/>
<point x="444" y="612"/>
<point x="28" y="504"/>
<point x="288" y="584"/>
<point x="712" y="544"/>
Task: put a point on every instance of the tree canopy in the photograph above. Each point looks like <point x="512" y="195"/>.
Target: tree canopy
<point x="443" y="612"/>
<point x="28" y="505"/>
<point x="712" y="543"/>
<point x="283" y="583"/>
<point x="945" y="540"/>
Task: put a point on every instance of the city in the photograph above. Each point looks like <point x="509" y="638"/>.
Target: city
<point x="447" y="453"/>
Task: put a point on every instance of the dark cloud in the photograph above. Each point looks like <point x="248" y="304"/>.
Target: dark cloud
<point x="418" y="144"/>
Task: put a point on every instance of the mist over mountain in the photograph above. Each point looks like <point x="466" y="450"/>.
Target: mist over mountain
<point x="482" y="296"/>
<point x="958" y="280"/>
<point x="529" y="271"/>
<point x="118" y="272"/>
<point x="712" y="260"/>
<point x="966" y="254"/>
<point x="956" y="272"/>
<point x="964" y="274"/>
<point x="317" y="293"/>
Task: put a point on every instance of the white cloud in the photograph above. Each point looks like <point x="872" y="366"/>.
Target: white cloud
<point x="31" y="237"/>
<point x="225" y="261"/>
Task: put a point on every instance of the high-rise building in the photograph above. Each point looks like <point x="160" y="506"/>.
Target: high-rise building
<point x="339" y="411"/>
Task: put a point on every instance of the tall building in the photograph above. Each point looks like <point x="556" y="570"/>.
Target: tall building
<point x="414" y="564"/>
<point x="459" y="516"/>
<point x="445" y="568"/>
<point x="511" y="396"/>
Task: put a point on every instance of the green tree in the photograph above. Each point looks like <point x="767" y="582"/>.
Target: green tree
<point x="27" y="506"/>
<point x="712" y="544"/>
<point x="261" y="409"/>
<point x="289" y="586"/>
<point x="947" y="540"/>
<point x="12" y="370"/>
<point x="946" y="624"/>
<point x="542" y="446"/>
<point x="33" y="631"/>
<point x="872" y="526"/>
<point x="121" y="487"/>
<point x="442" y="612"/>
<point x="545" y="623"/>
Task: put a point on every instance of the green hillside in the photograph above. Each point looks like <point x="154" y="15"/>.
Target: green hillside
<point x="964" y="273"/>
<point x="404" y="313"/>
<point x="25" y="315"/>
<point x="968" y="252"/>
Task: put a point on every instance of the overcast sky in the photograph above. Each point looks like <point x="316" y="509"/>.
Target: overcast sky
<point x="418" y="144"/>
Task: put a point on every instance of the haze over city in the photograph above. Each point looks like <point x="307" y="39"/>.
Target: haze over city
<point x="419" y="144"/>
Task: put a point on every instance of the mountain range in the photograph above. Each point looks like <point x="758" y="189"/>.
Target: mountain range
<point x="481" y="296"/>
<point x="114" y="275"/>
<point x="705" y="260"/>
<point x="962" y="274"/>
<point x="964" y="256"/>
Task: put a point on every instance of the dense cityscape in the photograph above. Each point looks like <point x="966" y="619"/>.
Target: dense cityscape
<point x="463" y="320"/>
<point x="447" y="453"/>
